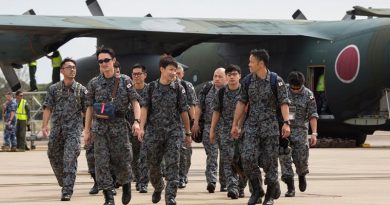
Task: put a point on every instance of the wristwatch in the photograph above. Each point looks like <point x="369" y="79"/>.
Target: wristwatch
<point x="286" y="122"/>
<point x="137" y="120"/>
<point x="188" y="134"/>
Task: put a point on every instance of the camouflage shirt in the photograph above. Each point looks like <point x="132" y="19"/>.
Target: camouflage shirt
<point x="302" y="108"/>
<point x="100" y="90"/>
<point x="262" y="101"/>
<point x="165" y="104"/>
<point x="10" y="107"/>
<point x="190" y="92"/>
<point x="230" y="98"/>
<point x="206" y="103"/>
<point x="130" y="113"/>
<point x="66" y="104"/>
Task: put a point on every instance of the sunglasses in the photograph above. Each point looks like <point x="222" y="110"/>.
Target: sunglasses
<point x="295" y="88"/>
<point x="106" y="60"/>
<point x="137" y="74"/>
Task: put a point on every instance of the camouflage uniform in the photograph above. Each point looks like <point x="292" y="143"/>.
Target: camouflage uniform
<point x="186" y="150"/>
<point x="228" y="144"/>
<point x="206" y="104"/>
<point x="304" y="107"/>
<point x="261" y="127"/>
<point x="111" y="141"/>
<point x="139" y="166"/>
<point x="67" y="105"/>
<point x="10" y="131"/>
<point x="164" y="133"/>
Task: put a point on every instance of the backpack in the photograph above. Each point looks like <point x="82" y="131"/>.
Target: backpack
<point x="153" y="85"/>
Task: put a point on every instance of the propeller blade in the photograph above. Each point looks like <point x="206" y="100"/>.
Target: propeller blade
<point x="94" y="8"/>
<point x="29" y="12"/>
<point x="298" y="15"/>
<point x="11" y="77"/>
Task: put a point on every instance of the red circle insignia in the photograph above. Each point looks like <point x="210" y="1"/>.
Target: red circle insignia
<point x="347" y="64"/>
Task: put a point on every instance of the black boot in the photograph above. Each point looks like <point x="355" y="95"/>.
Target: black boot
<point x="270" y="194"/>
<point x="108" y="197"/>
<point x="126" y="195"/>
<point x="94" y="189"/>
<point x="290" y="187"/>
<point x="302" y="183"/>
<point x="156" y="197"/>
<point x="255" y="196"/>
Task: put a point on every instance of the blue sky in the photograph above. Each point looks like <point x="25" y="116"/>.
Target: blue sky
<point x="253" y="9"/>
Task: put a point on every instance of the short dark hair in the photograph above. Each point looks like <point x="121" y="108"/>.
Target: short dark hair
<point x="117" y="65"/>
<point x="261" y="55"/>
<point x="137" y="65"/>
<point x="296" y="78"/>
<point x="109" y="51"/>
<point x="167" y="60"/>
<point x="67" y="60"/>
<point x="18" y="92"/>
<point x="230" y="68"/>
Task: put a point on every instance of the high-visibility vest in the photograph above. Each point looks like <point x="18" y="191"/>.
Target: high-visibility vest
<point x="33" y="63"/>
<point x="321" y="84"/>
<point x="21" y="113"/>
<point x="56" y="61"/>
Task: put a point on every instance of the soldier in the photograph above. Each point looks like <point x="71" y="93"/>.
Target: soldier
<point x="186" y="150"/>
<point x="107" y="101"/>
<point x="303" y="109"/>
<point x="204" y="113"/>
<point x="64" y="104"/>
<point x="224" y="104"/>
<point x="139" y="165"/>
<point x="164" y="109"/>
<point x="9" y="109"/>
<point x="261" y="125"/>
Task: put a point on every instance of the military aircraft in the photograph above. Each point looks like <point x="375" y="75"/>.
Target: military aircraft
<point x="354" y="55"/>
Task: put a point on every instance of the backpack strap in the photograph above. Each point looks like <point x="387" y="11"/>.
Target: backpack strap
<point x="273" y="81"/>
<point x="221" y="93"/>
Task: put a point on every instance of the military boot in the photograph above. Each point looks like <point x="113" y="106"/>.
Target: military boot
<point x="156" y="197"/>
<point x="94" y="189"/>
<point x="290" y="187"/>
<point x="126" y="195"/>
<point x="302" y="183"/>
<point x="255" y="196"/>
<point x="108" y="197"/>
<point x="270" y="194"/>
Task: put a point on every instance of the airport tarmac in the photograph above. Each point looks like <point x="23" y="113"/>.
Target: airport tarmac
<point x="338" y="176"/>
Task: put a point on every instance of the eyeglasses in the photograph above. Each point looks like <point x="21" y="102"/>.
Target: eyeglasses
<point x="137" y="74"/>
<point x="106" y="60"/>
<point x="295" y="88"/>
<point x="232" y="74"/>
<point x="71" y="67"/>
<point x="20" y="95"/>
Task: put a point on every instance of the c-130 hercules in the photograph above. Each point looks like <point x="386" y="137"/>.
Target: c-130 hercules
<point x="353" y="55"/>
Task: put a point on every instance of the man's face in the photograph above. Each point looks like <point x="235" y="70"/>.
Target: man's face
<point x="69" y="70"/>
<point x="168" y="73"/>
<point x="254" y="64"/>
<point x="138" y="76"/>
<point x="106" y="62"/>
<point x="219" y="78"/>
<point x="20" y="96"/>
<point x="295" y="88"/>
<point x="8" y="97"/>
<point x="180" y="73"/>
<point x="233" y="77"/>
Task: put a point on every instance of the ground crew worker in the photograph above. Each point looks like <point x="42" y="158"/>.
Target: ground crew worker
<point x="303" y="109"/>
<point x="22" y="120"/>
<point x="164" y="110"/>
<point x="321" y="97"/>
<point x="224" y="104"/>
<point x="64" y="104"/>
<point x="107" y="101"/>
<point x="204" y="111"/>
<point x="261" y="125"/>
<point x="9" y="123"/>
<point x="139" y="164"/>
<point x="186" y="150"/>
<point x="55" y="63"/>
<point x="32" y="68"/>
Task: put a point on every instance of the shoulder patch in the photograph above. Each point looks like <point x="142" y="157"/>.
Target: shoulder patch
<point x="86" y="91"/>
<point x="311" y="97"/>
<point x="280" y="84"/>
<point x="129" y="85"/>
<point x="183" y="91"/>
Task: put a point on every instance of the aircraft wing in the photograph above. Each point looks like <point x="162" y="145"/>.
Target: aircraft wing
<point x="361" y="11"/>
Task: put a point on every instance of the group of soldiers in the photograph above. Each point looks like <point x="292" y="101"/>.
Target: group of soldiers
<point x="145" y="131"/>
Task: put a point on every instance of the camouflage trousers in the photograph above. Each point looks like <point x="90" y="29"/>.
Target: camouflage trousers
<point x="164" y="144"/>
<point x="212" y="156"/>
<point x="10" y="135"/>
<point x="261" y="144"/>
<point x="139" y="164"/>
<point x="113" y="151"/>
<point x="299" y="155"/>
<point x="185" y="160"/>
<point x="229" y="150"/>
<point x="63" y="151"/>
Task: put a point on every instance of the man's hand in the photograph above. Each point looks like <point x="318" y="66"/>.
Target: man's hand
<point x="141" y="135"/>
<point x="212" y="136"/>
<point x="87" y="137"/>
<point x="45" y="131"/>
<point x="313" y="139"/>
<point x="188" y="140"/>
<point x="135" y="129"/>
<point x="235" y="132"/>
<point x="195" y="129"/>
<point x="286" y="130"/>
